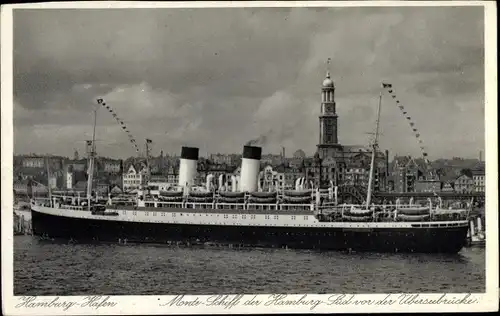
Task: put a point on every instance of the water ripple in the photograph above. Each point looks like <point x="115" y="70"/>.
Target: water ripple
<point x="48" y="268"/>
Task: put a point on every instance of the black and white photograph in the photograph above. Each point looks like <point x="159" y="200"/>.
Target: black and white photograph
<point x="249" y="158"/>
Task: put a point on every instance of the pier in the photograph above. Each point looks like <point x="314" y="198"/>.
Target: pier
<point x="22" y="225"/>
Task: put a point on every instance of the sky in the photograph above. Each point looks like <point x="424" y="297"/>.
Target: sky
<point x="217" y="78"/>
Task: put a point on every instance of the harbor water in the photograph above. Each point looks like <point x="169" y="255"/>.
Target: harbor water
<point x="55" y="268"/>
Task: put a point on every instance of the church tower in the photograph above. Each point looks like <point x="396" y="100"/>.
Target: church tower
<point x="328" y="145"/>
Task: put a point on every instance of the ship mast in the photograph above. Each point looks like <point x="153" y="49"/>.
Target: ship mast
<point x="148" y="170"/>
<point x="91" y="163"/>
<point x="48" y="179"/>
<point x="374" y="151"/>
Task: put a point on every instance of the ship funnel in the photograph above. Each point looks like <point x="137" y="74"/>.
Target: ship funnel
<point x="187" y="168"/>
<point x="250" y="167"/>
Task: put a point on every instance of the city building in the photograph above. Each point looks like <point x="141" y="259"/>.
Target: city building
<point x="159" y="186"/>
<point x="33" y="162"/>
<point x="464" y="184"/>
<point x="447" y="186"/>
<point x="479" y="176"/>
<point x="431" y="185"/>
<point x="227" y="159"/>
<point x="218" y="170"/>
<point x="134" y="177"/>
<point x="272" y="179"/>
<point x="77" y="165"/>
<point x="291" y="174"/>
<point x="108" y="173"/>
<point x="272" y="159"/>
<point x="29" y="188"/>
<point x="412" y="175"/>
<point x="110" y="166"/>
<point x="69" y="179"/>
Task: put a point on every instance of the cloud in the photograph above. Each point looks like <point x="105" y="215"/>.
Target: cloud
<point x="217" y="78"/>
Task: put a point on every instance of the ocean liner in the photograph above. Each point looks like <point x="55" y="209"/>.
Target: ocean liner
<point x="243" y="215"/>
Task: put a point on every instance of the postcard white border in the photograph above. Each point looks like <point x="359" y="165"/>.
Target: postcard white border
<point x="150" y="304"/>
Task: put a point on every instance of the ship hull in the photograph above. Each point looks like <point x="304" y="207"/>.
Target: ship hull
<point x="418" y="240"/>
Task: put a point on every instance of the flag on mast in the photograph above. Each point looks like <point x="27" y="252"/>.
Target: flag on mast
<point x="386" y="85"/>
<point x="149" y="141"/>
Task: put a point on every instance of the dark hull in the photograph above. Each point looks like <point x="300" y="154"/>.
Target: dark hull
<point x="425" y="240"/>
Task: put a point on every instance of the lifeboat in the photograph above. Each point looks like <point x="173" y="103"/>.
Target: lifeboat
<point x="297" y="193"/>
<point x="263" y="194"/>
<point x="171" y="193"/>
<point x="414" y="210"/>
<point x="200" y="194"/>
<point x="232" y="194"/>
<point x="200" y="199"/>
<point x="413" y="218"/>
<point x="265" y="200"/>
<point x="358" y="212"/>
<point x="297" y="199"/>
<point x="170" y="198"/>
<point x="357" y="218"/>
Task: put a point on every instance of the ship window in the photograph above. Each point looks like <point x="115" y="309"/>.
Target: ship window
<point x="154" y="213"/>
<point x="275" y="216"/>
<point x="305" y="217"/>
<point x="244" y="216"/>
<point x="134" y="213"/>
<point x="235" y="216"/>
<point x="293" y="217"/>
<point x="225" y="216"/>
<point x="253" y="217"/>
<point x="180" y="214"/>
<point x="147" y="213"/>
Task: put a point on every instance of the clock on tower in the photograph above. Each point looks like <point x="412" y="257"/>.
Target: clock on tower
<point x="329" y="109"/>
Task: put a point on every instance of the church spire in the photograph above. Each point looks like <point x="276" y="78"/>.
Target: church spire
<point x="328" y="83"/>
<point x="328" y="67"/>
